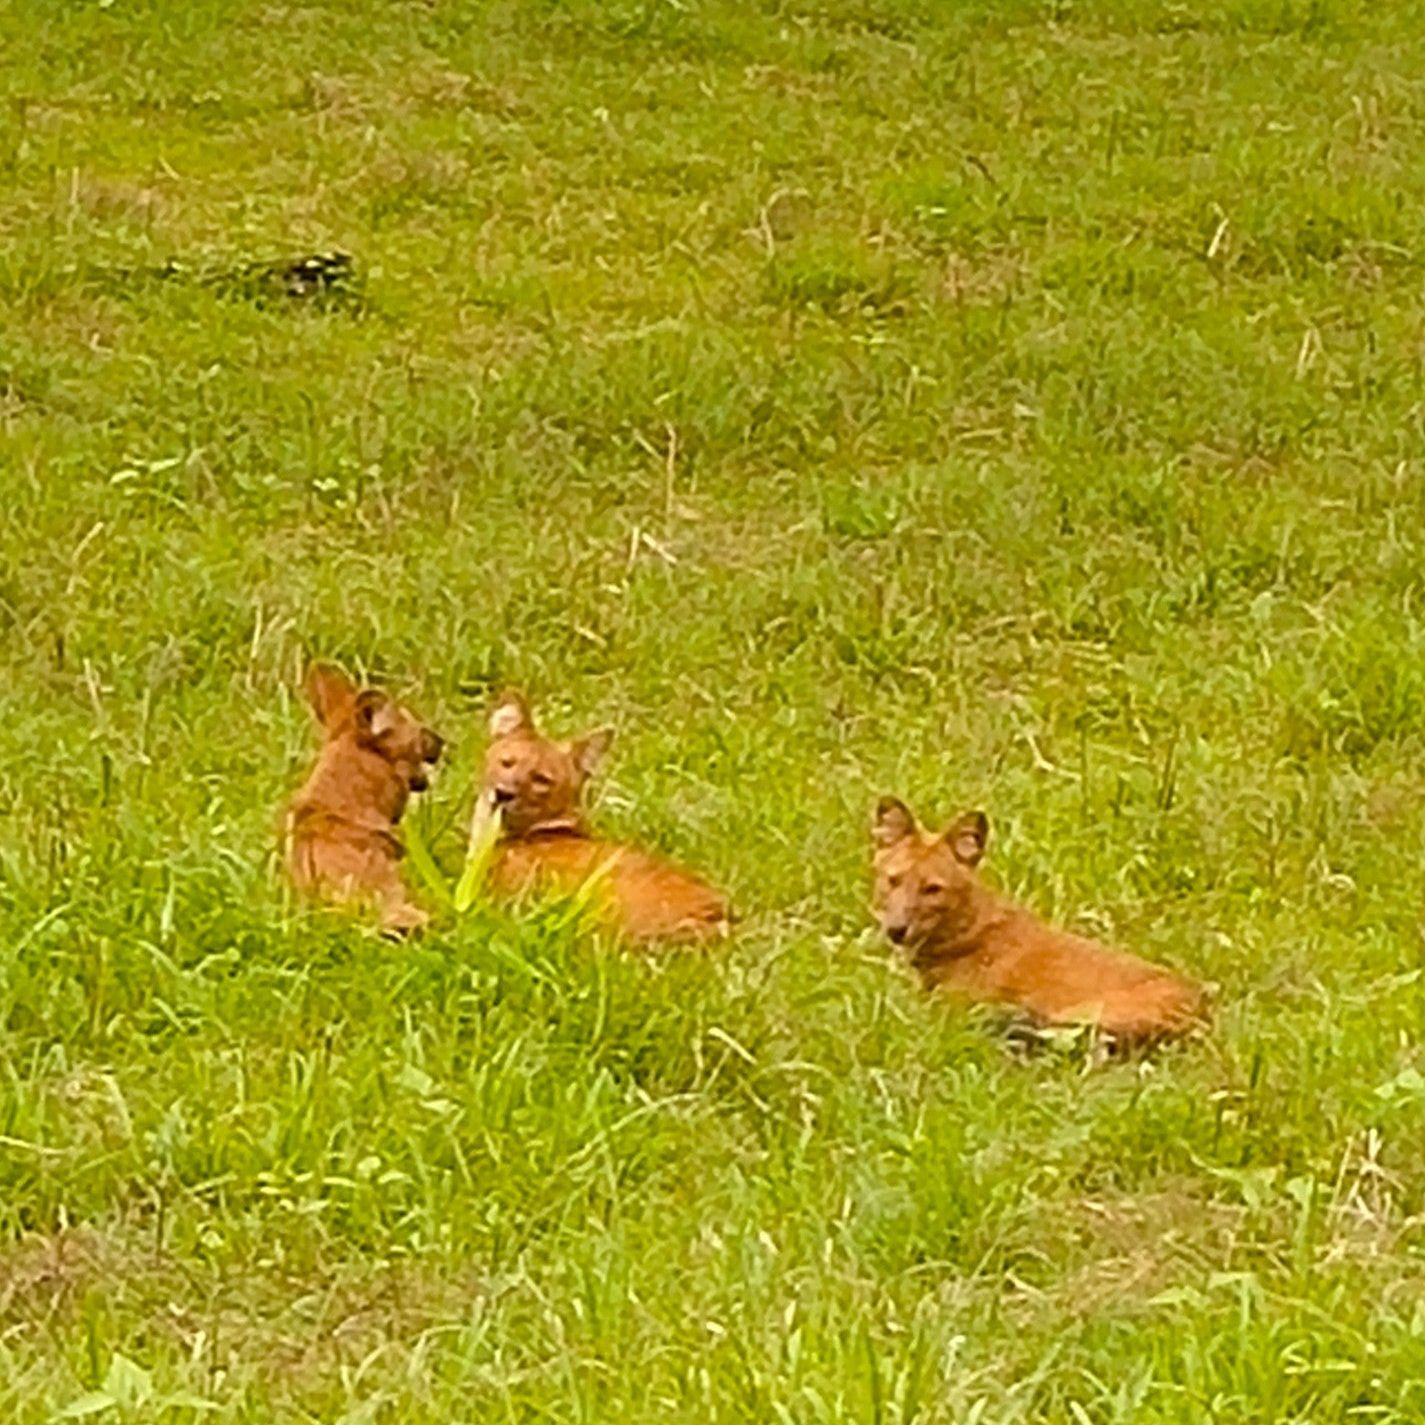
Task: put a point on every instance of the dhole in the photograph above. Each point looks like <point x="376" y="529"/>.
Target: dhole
<point x="341" y="827"/>
<point x="536" y="785"/>
<point x="964" y="938"/>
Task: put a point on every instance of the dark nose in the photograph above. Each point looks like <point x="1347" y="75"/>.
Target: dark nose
<point x="501" y="795"/>
<point x="897" y="934"/>
<point x="435" y="745"/>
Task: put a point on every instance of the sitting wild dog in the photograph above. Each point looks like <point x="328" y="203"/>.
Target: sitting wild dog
<point x="536" y="787"/>
<point x="341" y="827"/>
<point x="963" y="937"/>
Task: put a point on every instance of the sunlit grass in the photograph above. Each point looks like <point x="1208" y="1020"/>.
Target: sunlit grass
<point x="1014" y="406"/>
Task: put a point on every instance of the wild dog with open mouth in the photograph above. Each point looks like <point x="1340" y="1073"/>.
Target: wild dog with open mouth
<point x="341" y="836"/>
<point x="535" y="785"/>
<point x="964" y="938"/>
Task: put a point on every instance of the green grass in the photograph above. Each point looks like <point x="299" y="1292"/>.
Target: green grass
<point x="1015" y="405"/>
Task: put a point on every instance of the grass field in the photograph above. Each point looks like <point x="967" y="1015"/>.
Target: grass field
<point x="1016" y="405"/>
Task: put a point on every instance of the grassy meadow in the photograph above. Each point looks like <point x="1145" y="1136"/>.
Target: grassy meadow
<point x="1015" y="405"/>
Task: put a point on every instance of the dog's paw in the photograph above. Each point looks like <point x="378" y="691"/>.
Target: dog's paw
<point x="403" y="919"/>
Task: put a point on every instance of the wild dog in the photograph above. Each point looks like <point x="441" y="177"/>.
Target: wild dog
<point x="341" y="841"/>
<point x="536" y="786"/>
<point x="964" y="938"/>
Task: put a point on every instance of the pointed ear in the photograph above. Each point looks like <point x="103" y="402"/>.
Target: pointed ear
<point x="966" y="838"/>
<point x="588" y="751"/>
<point x="510" y="714"/>
<point x="893" y="822"/>
<point x="375" y="713"/>
<point x="329" y="691"/>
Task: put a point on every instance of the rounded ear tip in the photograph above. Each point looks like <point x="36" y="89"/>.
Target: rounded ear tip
<point x="969" y="836"/>
<point x="892" y="806"/>
<point x="508" y="713"/>
<point x="369" y="702"/>
<point x="326" y="688"/>
<point x="591" y="747"/>
<point x="892" y="822"/>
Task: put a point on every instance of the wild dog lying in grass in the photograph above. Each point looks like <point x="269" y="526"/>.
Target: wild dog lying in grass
<point x="963" y="937"/>
<point x="341" y="827"/>
<point x="535" y="785"/>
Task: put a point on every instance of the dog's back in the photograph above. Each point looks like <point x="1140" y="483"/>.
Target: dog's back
<point x="641" y="896"/>
<point x="1058" y="978"/>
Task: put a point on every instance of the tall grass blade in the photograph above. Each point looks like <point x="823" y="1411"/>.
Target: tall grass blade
<point x="419" y="854"/>
<point x="484" y="834"/>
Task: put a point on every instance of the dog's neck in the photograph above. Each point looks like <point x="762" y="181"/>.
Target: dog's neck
<point x="355" y="785"/>
<point x="973" y="933"/>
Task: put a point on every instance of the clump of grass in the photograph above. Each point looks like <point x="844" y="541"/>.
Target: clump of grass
<point x="464" y="894"/>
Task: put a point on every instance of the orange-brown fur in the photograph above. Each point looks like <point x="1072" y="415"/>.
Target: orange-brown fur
<point x="964" y="938"/>
<point x="537" y="785"/>
<point x="341" y="836"/>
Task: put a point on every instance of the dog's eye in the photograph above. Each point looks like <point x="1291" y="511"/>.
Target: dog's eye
<point x="931" y="888"/>
<point x="895" y="880"/>
<point x="507" y="762"/>
<point x="542" y="780"/>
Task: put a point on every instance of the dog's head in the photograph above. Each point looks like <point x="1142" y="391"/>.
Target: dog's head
<point x="925" y="881"/>
<point x="373" y="721"/>
<point x="533" y="780"/>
